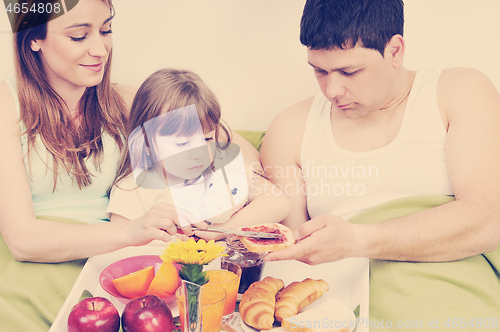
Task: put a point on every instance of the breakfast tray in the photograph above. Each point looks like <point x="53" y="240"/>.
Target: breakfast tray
<point x="348" y="280"/>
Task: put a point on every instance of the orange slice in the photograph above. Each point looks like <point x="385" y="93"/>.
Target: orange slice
<point x="165" y="282"/>
<point x="135" y="284"/>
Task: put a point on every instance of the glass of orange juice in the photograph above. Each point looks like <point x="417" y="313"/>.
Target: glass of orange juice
<point x="212" y="301"/>
<point x="229" y="278"/>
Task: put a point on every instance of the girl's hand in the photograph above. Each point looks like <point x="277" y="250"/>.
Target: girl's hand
<point x="187" y="220"/>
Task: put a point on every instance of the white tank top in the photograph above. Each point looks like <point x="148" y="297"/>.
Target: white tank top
<point x="343" y="183"/>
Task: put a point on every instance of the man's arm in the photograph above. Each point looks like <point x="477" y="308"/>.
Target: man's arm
<point x="280" y="156"/>
<point x="469" y="226"/>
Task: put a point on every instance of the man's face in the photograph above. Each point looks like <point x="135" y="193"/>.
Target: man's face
<point x="356" y="80"/>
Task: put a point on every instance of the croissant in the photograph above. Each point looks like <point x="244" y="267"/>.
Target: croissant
<point x="298" y="295"/>
<point x="257" y="303"/>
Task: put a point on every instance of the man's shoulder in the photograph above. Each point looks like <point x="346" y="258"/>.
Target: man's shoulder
<point x="455" y="80"/>
<point x="459" y="86"/>
<point x="286" y="131"/>
<point x="461" y="75"/>
<point x="292" y="118"/>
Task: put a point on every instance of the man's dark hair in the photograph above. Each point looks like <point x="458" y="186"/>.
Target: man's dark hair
<point x="328" y="24"/>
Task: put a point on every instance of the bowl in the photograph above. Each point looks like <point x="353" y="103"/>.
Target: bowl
<point x="126" y="266"/>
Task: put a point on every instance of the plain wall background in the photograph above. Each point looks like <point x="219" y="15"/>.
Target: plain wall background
<point x="248" y="51"/>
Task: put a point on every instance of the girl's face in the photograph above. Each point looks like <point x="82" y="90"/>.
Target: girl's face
<point x="77" y="46"/>
<point x="185" y="157"/>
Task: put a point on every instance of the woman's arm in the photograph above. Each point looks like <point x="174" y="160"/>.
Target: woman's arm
<point x="31" y="239"/>
<point x="149" y="227"/>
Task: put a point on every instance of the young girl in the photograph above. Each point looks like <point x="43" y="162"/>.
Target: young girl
<point x="181" y="153"/>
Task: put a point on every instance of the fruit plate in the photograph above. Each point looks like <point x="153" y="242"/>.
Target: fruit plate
<point x="345" y="315"/>
<point x="88" y="280"/>
<point x="126" y="266"/>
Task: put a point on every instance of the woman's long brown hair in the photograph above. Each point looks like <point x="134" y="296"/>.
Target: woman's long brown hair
<point x="101" y="107"/>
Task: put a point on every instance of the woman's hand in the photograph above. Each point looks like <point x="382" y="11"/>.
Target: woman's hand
<point x="159" y="223"/>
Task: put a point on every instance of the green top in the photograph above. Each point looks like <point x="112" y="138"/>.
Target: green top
<point x="68" y="201"/>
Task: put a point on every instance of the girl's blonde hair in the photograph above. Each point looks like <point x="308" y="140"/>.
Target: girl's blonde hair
<point x="42" y="110"/>
<point x="164" y="91"/>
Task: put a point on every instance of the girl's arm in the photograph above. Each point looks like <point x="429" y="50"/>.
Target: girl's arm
<point x="267" y="203"/>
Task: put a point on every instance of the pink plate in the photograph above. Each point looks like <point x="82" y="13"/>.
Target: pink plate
<point x="126" y="266"/>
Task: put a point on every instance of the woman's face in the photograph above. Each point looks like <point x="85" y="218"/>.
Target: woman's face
<point x="77" y="46"/>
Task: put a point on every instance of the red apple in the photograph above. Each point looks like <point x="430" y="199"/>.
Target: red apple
<point x="147" y="314"/>
<point x="96" y="314"/>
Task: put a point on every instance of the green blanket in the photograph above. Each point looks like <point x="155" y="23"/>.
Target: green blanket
<point x="31" y="294"/>
<point x="414" y="296"/>
<point x="253" y="136"/>
<point x="461" y="295"/>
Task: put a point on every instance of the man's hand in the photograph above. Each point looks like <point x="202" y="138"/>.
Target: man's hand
<point x="320" y="240"/>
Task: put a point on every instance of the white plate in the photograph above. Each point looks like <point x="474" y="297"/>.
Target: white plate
<point x="325" y="303"/>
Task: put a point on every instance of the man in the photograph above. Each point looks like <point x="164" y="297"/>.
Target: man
<point x="380" y="132"/>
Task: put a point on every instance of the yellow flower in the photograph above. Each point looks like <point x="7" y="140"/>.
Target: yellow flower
<point x="192" y="256"/>
<point x="192" y="252"/>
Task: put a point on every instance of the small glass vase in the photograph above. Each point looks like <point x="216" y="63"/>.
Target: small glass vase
<point x="192" y="305"/>
<point x="205" y="306"/>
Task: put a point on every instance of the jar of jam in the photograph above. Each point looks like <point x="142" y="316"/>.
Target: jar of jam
<point x="251" y="263"/>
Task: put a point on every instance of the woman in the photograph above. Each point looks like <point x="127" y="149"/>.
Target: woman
<point x="72" y="120"/>
<point x="61" y="126"/>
